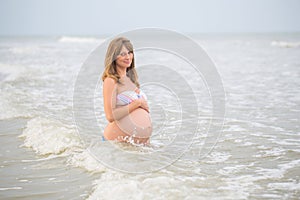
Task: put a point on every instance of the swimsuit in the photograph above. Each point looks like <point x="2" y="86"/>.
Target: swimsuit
<point x="126" y="97"/>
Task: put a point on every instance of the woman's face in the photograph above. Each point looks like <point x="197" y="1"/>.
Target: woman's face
<point x="124" y="59"/>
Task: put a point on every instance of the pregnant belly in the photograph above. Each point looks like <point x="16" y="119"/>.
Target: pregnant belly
<point x="136" y="124"/>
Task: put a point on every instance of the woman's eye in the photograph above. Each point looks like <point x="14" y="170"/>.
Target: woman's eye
<point x="123" y="54"/>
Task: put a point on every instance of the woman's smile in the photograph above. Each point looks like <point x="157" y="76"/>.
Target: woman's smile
<point x="127" y="62"/>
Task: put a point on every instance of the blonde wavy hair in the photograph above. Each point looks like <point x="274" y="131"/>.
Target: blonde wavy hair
<point x="112" y="52"/>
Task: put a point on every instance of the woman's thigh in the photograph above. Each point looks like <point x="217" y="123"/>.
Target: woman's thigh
<point x="114" y="132"/>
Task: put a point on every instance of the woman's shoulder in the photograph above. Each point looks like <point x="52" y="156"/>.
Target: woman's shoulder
<point x="109" y="83"/>
<point x="109" y="80"/>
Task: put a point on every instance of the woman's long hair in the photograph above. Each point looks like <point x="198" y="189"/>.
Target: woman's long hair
<point x="113" y="51"/>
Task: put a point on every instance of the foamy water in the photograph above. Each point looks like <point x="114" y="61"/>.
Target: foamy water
<point x="257" y="155"/>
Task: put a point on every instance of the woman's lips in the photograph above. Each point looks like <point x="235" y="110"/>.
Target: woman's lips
<point x="127" y="62"/>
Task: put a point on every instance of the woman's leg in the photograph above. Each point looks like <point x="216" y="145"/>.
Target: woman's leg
<point x="113" y="132"/>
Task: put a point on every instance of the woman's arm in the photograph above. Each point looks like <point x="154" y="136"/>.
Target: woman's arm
<point x="109" y="98"/>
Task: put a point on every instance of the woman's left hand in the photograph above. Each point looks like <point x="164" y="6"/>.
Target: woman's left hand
<point x="144" y="105"/>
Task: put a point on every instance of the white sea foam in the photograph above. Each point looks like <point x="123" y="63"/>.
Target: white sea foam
<point x="277" y="173"/>
<point x="8" y="107"/>
<point x="117" y="189"/>
<point x="290" y="142"/>
<point x="46" y="136"/>
<point x="240" y="187"/>
<point x="69" y="39"/>
<point x="52" y="138"/>
<point x="12" y="72"/>
<point x="7" y="111"/>
<point x="290" y="186"/>
<point x="274" y="152"/>
<point x="86" y="161"/>
<point x="285" y="44"/>
<point x="120" y="186"/>
<point x="233" y="169"/>
<point x="11" y="188"/>
<point x="24" y="50"/>
<point x="217" y="157"/>
<point x="244" y="185"/>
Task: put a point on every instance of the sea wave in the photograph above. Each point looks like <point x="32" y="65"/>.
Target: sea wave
<point x="121" y="186"/>
<point x="280" y="171"/>
<point x="46" y="137"/>
<point x="10" y="72"/>
<point x="69" y="39"/>
<point x="24" y="50"/>
<point x="10" y="96"/>
<point x="49" y="137"/>
<point x="284" y="44"/>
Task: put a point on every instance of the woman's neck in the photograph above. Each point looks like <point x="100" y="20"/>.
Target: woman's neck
<point x="122" y="72"/>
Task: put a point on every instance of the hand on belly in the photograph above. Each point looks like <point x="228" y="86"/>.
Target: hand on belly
<point x="137" y="124"/>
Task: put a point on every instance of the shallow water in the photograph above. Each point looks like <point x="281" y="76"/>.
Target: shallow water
<point x="256" y="156"/>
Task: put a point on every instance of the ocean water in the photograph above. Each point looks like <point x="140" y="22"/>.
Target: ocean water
<point x="51" y="150"/>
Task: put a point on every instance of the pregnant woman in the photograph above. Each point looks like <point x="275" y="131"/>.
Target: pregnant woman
<point x="125" y="105"/>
